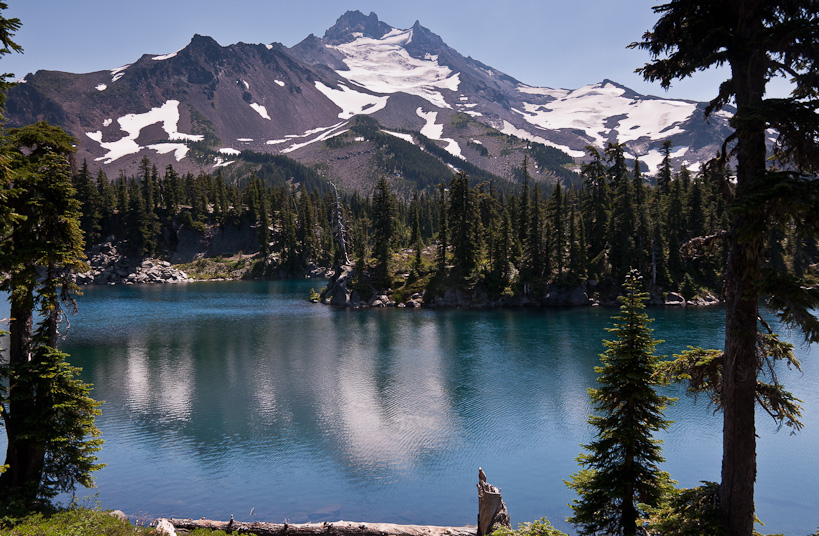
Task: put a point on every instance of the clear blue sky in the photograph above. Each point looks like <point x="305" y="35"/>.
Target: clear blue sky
<point x="556" y="44"/>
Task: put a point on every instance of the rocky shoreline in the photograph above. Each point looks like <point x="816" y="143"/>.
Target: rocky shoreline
<point x="340" y="292"/>
<point x="110" y="267"/>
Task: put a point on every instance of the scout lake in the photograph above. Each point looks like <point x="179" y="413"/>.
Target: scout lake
<point x="243" y="398"/>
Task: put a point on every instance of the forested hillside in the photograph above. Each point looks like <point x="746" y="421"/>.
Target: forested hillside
<point x="498" y="236"/>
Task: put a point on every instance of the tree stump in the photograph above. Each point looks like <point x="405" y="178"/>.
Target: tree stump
<point x="492" y="512"/>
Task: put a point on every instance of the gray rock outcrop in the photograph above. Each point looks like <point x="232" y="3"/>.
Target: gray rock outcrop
<point x="110" y="267"/>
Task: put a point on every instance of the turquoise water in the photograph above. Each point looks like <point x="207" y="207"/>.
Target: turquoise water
<point x="239" y="397"/>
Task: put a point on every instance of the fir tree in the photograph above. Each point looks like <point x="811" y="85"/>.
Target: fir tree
<point x="664" y="178"/>
<point x="462" y="218"/>
<point x="45" y="411"/>
<point x="621" y="465"/>
<point x="757" y="40"/>
<point x="384" y="232"/>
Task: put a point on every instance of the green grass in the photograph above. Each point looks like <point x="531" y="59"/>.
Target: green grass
<point x="80" y="521"/>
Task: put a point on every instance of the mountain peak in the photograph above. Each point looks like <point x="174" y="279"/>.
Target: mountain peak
<point x="356" y="22"/>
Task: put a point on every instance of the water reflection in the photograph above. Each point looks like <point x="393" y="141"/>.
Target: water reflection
<point x="222" y="398"/>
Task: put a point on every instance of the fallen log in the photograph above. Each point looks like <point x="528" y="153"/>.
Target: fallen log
<point x="337" y="528"/>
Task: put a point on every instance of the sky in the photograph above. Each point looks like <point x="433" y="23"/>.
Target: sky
<point x="556" y="44"/>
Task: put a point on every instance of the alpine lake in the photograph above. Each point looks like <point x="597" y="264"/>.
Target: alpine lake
<point x="243" y="398"/>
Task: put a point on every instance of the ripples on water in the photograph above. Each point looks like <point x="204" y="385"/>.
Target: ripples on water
<point x="227" y="397"/>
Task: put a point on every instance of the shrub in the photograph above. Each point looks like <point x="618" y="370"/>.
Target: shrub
<point x="541" y="527"/>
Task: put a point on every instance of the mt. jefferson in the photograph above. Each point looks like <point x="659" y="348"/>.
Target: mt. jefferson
<point x="207" y="106"/>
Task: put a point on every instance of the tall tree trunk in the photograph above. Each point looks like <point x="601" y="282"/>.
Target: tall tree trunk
<point x="24" y="455"/>
<point x="743" y="274"/>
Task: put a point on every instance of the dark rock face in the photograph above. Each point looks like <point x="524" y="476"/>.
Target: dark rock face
<point x="216" y="241"/>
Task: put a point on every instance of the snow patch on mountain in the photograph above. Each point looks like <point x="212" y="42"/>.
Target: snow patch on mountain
<point x="543" y="91"/>
<point x="512" y="130"/>
<point x="352" y="102"/>
<point x="229" y="150"/>
<point x="220" y="162"/>
<point x="117" y="73"/>
<point x="180" y="150"/>
<point x="384" y="66"/>
<point x="101" y="87"/>
<point x="435" y="131"/>
<point x="107" y="122"/>
<point x="167" y="114"/>
<point x="403" y="136"/>
<point x="165" y="56"/>
<point x="279" y="82"/>
<point x="591" y="107"/>
<point x="261" y="110"/>
<point x="329" y="132"/>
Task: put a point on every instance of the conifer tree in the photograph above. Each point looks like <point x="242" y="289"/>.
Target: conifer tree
<point x="594" y="175"/>
<point x="523" y="207"/>
<point x="757" y="40"/>
<point x="443" y="234"/>
<point x="384" y="232"/>
<point x="664" y="178"/>
<point x="621" y="464"/>
<point x="462" y="218"/>
<point x="44" y="409"/>
<point x="89" y="197"/>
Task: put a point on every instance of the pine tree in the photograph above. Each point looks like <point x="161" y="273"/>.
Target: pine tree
<point x="462" y="219"/>
<point x="664" y="177"/>
<point x="384" y="232"/>
<point x="757" y="40"/>
<point x="89" y="197"/>
<point x="44" y="409"/>
<point x="621" y="464"/>
<point x="598" y="206"/>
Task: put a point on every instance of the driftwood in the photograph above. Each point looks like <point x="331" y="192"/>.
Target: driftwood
<point x="337" y="528"/>
<point x="492" y="513"/>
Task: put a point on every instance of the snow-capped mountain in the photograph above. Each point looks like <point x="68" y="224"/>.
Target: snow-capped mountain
<point x="200" y="107"/>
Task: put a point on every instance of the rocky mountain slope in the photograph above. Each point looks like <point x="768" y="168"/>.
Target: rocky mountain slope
<point x="209" y="107"/>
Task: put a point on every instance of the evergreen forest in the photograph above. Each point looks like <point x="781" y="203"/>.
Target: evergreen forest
<point x="501" y="237"/>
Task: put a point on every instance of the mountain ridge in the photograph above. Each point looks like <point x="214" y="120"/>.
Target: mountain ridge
<point x="198" y="107"/>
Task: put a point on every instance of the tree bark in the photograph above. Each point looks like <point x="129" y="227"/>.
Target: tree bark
<point x="338" y="528"/>
<point x="24" y="456"/>
<point x="742" y="277"/>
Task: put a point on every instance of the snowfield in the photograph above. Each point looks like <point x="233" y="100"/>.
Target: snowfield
<point x="512" y="130"/>
<point x="167" y="114"/>
<point x="589" y="108"/>
<point x="405" y="137"/>
<point x="117" y="73"/>
<point x="435" y="131"/>
<point x="261" y="110"/>
<point x="352" y="102"/>
<point x="384" y="66"/>
<point x="166" y="56"/>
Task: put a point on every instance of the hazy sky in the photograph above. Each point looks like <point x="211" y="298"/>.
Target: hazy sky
<point x="555" y="44"/>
